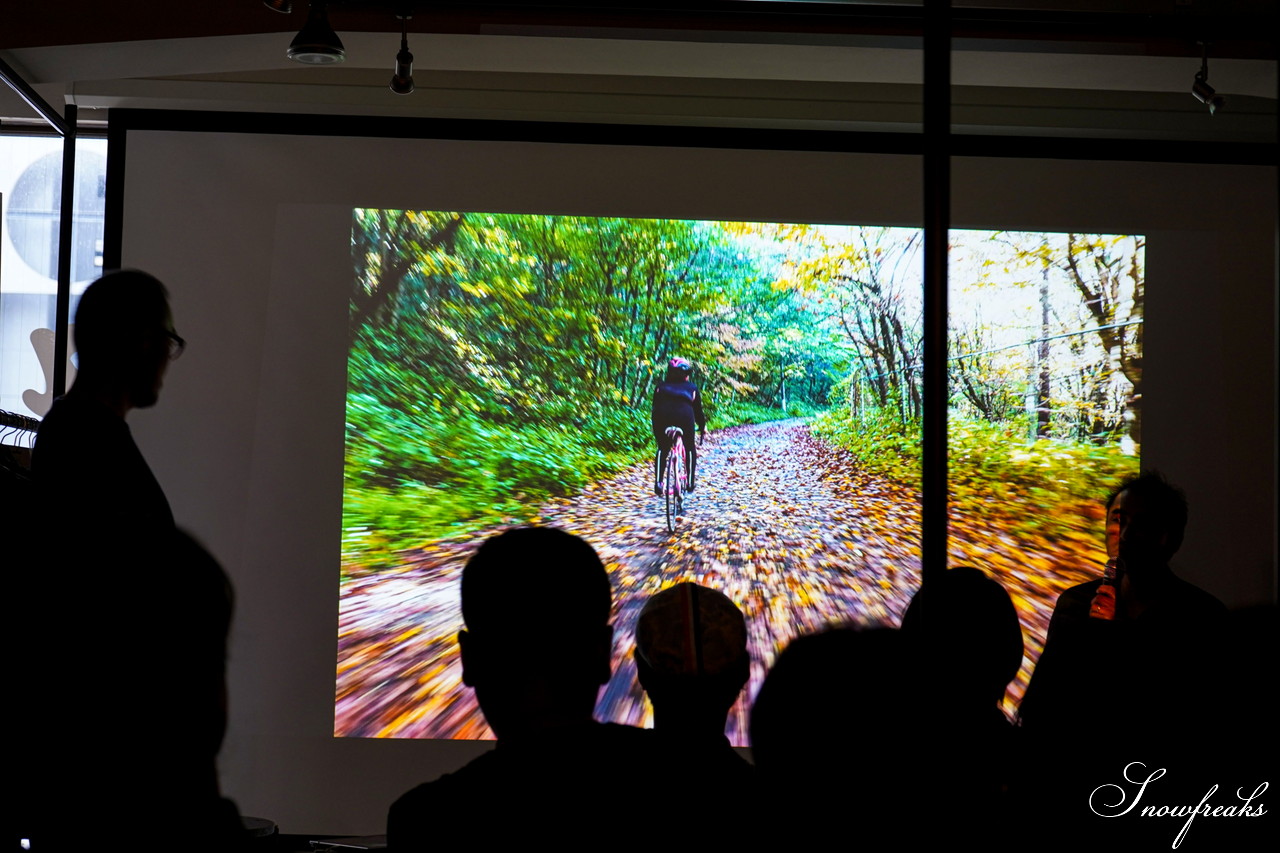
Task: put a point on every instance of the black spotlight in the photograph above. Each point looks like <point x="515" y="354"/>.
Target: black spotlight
<point x="284" y="7"/>
<point x="402" y="80"/>
<point x="1205" y="93"/>
<point x="316" y="43"/>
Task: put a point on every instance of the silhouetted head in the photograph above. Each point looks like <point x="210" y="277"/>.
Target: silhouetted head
<point x="124" y="337"/>
<point x="840" y="700"/>
<point x="1146" y="519"/>
<point x="536" y="603"/>
<point x="691" y="656"/>
<point x="966" y="629"/>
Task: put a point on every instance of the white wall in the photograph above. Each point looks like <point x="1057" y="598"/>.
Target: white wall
<point x="251" y="232"/>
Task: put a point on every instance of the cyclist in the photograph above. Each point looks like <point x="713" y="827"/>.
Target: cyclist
<point x="677" y="402"/>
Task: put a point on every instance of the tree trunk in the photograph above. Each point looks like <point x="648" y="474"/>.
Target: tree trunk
<point x="1042" y="359"/>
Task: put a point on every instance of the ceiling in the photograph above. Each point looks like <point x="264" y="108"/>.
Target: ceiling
<point x="1102" y="69"/>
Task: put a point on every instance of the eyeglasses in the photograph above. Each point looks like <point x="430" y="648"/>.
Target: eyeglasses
<point x="176" y="343"/>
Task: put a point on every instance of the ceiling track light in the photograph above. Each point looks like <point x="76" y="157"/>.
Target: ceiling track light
<point x="284" y="7"/>
<point x="316" y="43"/>
<point x="402" y="80"/>
<point x="1205" y="93"/>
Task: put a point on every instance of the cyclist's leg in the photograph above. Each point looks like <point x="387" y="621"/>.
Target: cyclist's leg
<point x="671" y="488"/>
<point x="659" y="460"/>
<point x="691" y="452"/>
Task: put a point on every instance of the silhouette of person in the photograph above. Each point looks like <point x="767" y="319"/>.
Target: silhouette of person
<point x="127" y="619"/>
<point x="691" y="659"/>
<point x="1148" y="678"/>
<point x="84" y="454"/>
<point x="965" y="625"/>
<point x="965" y="633"/>
<point x="836" y="723"/>
<point x="536" y="657"/>
<point x="125" y="677"/>
<point x="1159" y="618"/>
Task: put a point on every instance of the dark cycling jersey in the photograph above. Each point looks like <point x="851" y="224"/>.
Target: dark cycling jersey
<point x="678" y="404"/>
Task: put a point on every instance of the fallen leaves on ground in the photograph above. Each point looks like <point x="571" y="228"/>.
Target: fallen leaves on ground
<point x="783" y="523"/>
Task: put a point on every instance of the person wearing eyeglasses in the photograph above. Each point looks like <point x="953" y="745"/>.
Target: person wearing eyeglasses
<point x="124" y="618"/>
<point x="84" y="451"/>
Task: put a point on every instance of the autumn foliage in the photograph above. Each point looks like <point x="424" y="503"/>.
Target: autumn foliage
<point x="501" y="370"/>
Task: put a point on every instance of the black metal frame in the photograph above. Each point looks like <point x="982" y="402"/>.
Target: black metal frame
<point x="66" y="219"/>
<point x="937" y="223"/>
<point x="32" y="97"/>
<point x="938" y="22"/>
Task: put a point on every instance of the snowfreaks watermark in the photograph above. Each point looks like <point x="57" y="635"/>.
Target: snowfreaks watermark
<point x="1112" y="800"/>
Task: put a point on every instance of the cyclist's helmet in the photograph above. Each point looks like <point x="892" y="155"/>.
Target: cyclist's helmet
<point x="681" y="365"/>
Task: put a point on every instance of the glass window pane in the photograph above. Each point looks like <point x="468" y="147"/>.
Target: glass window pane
<point x="31" y="184"/>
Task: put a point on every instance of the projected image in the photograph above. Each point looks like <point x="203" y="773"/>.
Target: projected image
<point x="502" y="372"/>
<point x="1046" y="407"/>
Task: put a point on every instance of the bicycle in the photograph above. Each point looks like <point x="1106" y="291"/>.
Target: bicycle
<point x="674" y="477"/>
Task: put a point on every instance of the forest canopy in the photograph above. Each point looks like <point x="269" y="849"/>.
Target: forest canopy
<point x="500" y="359"/>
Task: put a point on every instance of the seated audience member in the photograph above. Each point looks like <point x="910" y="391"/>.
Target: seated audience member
<point x="964" y="630"/>
<point x="691" y="659"/>
<point x="834" y="733"/>
<point x="536" y="656"/>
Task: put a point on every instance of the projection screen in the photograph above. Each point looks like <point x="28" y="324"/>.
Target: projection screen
<point x="253" y="233"/>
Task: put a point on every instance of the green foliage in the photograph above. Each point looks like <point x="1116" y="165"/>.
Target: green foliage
<point x="498" y="360"/>
<point x="880" y="441"/>
<point x="414" y="478"/>
<point x="744" y="412"/>
<point x="1049" y="479"/>
<point x="501" y="359"/>
<point x="1033" y="487"/>
<point x="801" y="410"/>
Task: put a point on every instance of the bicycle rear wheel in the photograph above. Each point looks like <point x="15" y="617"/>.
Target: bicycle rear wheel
<point x="682" y="478"/>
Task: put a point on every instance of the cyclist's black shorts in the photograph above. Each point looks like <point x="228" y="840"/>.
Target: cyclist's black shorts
<point x="690" y="439"/>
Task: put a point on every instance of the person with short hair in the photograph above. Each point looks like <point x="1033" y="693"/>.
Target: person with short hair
<point x="1148" y="678"/>
<point x="835" y="727"/>
<point x="1088" y="662"/>
<point x="964" y="633"/>
<point x="84" y="453"/>
<point x="126" y="616"/>
<point x="536" y="652"/>
<point x="691" y="659"/>
<point x="1145" y="522"/>
<point x="966" y="627"/>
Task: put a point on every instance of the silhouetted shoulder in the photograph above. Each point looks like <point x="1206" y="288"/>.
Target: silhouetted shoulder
<point x="1073" y="605"/>
<point x="564" y="788"/>
<point x="71" y="432"/>
<point x="1178" y="601"/>
<point x="85" y="456"/>
<point x="714" y="765"/>
<point x="1188" y="596"/>
<point x="419" y="816"/>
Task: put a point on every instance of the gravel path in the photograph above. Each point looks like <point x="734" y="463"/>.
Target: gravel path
<point x="781" y="522"/>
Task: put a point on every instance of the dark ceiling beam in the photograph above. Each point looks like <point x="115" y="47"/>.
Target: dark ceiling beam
<point x="1241" y="35"/>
